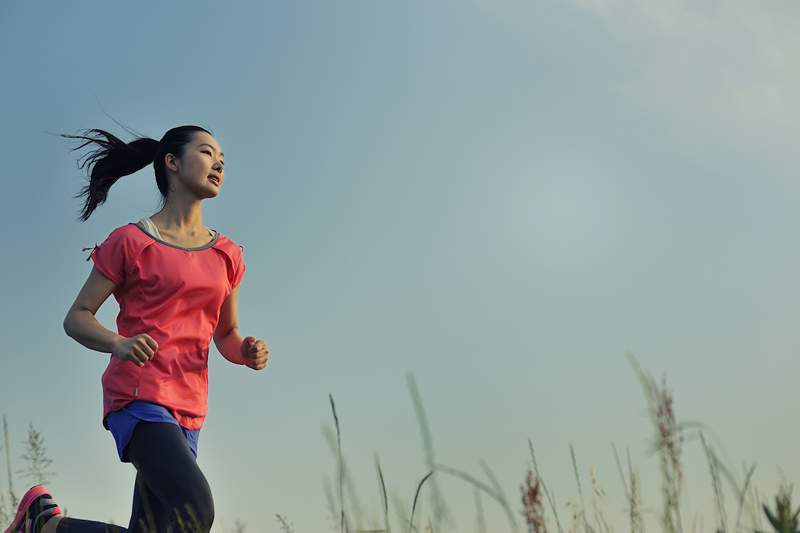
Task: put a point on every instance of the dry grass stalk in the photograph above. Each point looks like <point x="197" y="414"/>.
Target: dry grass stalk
<point x="498" y="497"/>
<point x="5" y="513"/>
<point x="713" y="464"/>
<point x="480" y="519"/>
<point x="550" y="499"/>
<point x="498" y="490"/>
<point x="719" y="471"/>
<point x="333" y="512"/>
<point x="344" y="528"/>
<point x="757" y="500"/>
<point x="586" y="525"/>
<point x="743" y="495"/>
<point x="668" y="445"/>
<point x="13" y="500"/>
<point x="597" y="494"/>
<point x="36" y="458"/>
<point x="416" y="497"/>
<point x="576" y="513"/>
<point x="384" y="499"/>
<point x="240" y="527"/>
<point x="286" y="527"/>
<point x="637" y="521"/>
<point x="632" y="493"/>
<point x="440" y="513"/>
<point x="352" y="501"/>
<point x="532" y="508"/>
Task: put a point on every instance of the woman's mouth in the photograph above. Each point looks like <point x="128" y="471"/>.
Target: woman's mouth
<point x="214" y="180"/>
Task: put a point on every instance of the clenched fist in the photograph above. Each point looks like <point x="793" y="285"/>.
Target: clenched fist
<point x="137" y="349"/>
<point x="255" y="353"/>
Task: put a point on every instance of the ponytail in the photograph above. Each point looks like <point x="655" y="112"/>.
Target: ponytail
<point x="114" y="159"/>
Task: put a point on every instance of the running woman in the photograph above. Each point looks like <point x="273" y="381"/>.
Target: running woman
<point x="176" y="283"/>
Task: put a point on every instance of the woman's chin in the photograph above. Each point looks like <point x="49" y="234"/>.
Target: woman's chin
<point x="212" y="191"/>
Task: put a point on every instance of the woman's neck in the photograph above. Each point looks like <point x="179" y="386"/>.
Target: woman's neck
<point x="183" y="218"/>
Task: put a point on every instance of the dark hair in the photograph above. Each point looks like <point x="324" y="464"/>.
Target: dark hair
<point x="114" y="159"/>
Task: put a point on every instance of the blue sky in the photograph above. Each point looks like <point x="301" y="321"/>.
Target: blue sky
<point x="500" y="197"/>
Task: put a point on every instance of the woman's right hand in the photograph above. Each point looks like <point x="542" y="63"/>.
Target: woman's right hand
<point x="137" y="349"/>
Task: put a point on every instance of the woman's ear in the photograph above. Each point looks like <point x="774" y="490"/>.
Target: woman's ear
<point x="171" y="162"/>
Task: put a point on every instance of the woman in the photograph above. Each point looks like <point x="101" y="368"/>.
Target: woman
<point x="177" y="283"/>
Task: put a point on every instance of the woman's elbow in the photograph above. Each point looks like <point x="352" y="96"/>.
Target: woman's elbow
<point x="67" y="323"/>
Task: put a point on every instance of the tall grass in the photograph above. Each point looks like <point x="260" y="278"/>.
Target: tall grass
<point x="428" y="511"/>
<point x="537" y="505"/>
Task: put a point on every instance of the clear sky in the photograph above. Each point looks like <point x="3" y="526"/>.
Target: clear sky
<point x="501" y="197"/>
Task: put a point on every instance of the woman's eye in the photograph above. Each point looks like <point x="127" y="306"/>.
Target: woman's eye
<point x="212" y="155"/>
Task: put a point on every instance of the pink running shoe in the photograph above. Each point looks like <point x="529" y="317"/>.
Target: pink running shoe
<point x="36" y="507"/>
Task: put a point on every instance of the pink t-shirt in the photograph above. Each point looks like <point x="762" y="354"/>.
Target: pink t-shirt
<point x="173" y="294"/>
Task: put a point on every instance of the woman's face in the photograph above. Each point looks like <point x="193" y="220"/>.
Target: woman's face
<point x="201" y="168"/>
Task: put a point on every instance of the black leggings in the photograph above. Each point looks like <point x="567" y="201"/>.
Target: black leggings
<point x="171" y="493"/>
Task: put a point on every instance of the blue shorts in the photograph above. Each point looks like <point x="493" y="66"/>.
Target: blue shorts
<point x="122" y="422"/>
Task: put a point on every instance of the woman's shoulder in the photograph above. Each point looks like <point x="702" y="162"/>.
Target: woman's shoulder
<point x="128" y="237"/>
<point x="130" y="234"/>
<point x="230" y="249"/>
<point x="223" y="242"/>
<point x="122" y="246"/>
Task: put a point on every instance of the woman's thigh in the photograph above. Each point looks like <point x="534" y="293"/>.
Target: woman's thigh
<point x="167" y="472"/>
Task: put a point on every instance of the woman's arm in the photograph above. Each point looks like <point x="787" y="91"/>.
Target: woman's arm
<point x="227" y="338"/>
<point x="247" y="351"/>
<point x="80" y="322"/>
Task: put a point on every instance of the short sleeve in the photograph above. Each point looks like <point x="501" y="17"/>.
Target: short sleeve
<point x="110" y="257"/>
<point x="240" y="269"/>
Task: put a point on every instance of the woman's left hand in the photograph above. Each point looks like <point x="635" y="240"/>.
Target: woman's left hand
<point x="255" y="353"/>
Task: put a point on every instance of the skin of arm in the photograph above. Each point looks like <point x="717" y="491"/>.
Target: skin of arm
<point x="227" y="338"/>
<point x="80" y="322"/>
<point x="247" y="351"/>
